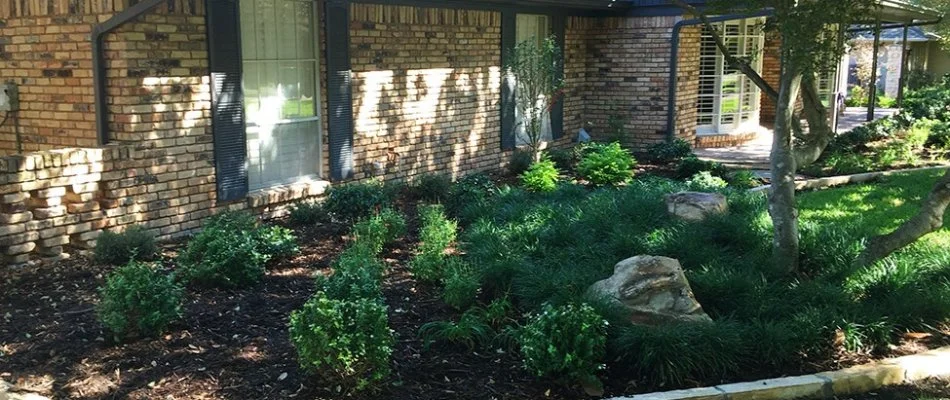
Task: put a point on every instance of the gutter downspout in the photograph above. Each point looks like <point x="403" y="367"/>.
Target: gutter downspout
<point x="674" y="61"/>
<point x="99" y="63"/>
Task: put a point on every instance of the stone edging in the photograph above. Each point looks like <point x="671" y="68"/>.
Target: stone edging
<point x="830" y="181"/>
<point x="825" y="385"/>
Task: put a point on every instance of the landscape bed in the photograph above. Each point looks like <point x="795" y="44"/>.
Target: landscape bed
<point x="536" y="250"/>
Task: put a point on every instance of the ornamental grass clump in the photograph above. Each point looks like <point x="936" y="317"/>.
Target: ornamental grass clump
<point x="138" y="299"/>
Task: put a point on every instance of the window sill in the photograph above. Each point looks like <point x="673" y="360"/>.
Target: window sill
<point x="286" y="193"/>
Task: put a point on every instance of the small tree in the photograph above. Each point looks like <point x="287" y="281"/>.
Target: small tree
<point x="534" y="66"/>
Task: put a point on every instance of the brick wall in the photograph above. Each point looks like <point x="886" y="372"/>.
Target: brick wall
<point x="425" y="90"/>
<point x="771" y="69"/>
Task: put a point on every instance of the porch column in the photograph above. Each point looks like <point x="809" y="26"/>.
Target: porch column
<point x="872" y="92"/>
<point x="903" y="78"/>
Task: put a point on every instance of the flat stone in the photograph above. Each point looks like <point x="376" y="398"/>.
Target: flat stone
<point x="924" y="365"/>
<point x="796" y="387"/>
<point x="863" y="378"/>
<point x="706" y="393"/>
<point x="16" y="218"/>
<point x="22" y="248"/>
<point x="696" y="206"/>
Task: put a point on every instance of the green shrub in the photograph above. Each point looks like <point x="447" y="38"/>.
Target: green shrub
<point x="939" y="139"/>
<point x="469" y="190"/>
<point x="744" y="179"/>
<point x="344" y="342"/>
<point x="919" y="79"/>
<point x="886" y="102"/>
<point x="432" y="187"/>
<point x="351" y="202"/>
<point x="606" y="164"/>
<point x="308" y="213"/>
<point x="567" y="341"/>
<point x="521" y="160"/>
<point x="919" y="133"/>
<point x="471" y="330"/>
<point x="226" y="259"/>
<point x="437" y="232"/>
<point x="690" y="166"/>
<point x="542" y="176"/>
<point x="706" y="182"/>
<point x="276" y="242"/>
<point x="564" y="159"/>
<point x="428" y="266"/>
<point x="858" y="97"/>
<point x="231" y="221"/>
<point x="138" y="299"/>
<point x="135" y="243"/>
<point x="932" y="102"/>
<point x="669" y="152"/>
<point x="380" y="229"/>
<point x="357" y="274"/>
<point x="462" y="283"/>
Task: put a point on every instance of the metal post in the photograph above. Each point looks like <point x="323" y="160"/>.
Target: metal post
<point x="833" y="101"/>
<point x="872" y="92"/>
<point x="903" y="77"/>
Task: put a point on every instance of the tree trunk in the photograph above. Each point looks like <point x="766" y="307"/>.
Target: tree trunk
<point x="820" y="131"/>
<point x="927" y="220"/>
<point x="782" y="207"/>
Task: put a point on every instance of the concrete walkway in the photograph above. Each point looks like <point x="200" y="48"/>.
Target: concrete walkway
<point x="755" y="154"/>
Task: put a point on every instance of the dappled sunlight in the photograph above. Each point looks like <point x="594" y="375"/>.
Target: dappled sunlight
<point x="374" y="84"/>
<point x="425" y="86"/>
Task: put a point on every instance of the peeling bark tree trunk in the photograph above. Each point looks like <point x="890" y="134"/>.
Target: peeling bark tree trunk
<point x="929" y="219"/>
<point x="782" y="206"/>
<point x="820" y="131"/>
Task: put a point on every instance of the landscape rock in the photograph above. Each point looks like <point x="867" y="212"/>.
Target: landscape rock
<point x="653" y="289"/>
<point x="696" y="206"/>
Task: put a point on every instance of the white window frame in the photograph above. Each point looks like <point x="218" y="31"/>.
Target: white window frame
<point x="749" y="40"/>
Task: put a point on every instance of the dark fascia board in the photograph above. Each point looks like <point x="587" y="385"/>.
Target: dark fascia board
<point x="565" y="7"/>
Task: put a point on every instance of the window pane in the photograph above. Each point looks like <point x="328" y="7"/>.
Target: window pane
<point x="289" y="90"/>
<point x="305" y="31"/>
<point x="307" y="88"/>
<point x="286" y="30"/>
<point x="251" y="91"/>
<point x="248" y="37"/>
<point x="266" y="30"/>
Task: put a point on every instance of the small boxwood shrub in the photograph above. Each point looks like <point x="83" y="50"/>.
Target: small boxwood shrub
<point x="436" y="233"/>
<point x="432" y="187"/>
<point x="344" y="342"/>
<point x="706" y="182"/>
<point x="567" y="341"/>
<point x="690" y="166"/>
<point x="606" y="164"/>
<point x="308" y="213"/>
<point x="135" y="243"/>
<point x="138" y="299"/>
<point x="669" y="152"/>
<point x="542" y="176"/>
<point x="462" y="283"/>
<point x="350" y="281"/>
<point x="380" y="229"/>
<point x="226" y="259"/>
<point x="276" y="241"/>
<point x="351" y="202"/>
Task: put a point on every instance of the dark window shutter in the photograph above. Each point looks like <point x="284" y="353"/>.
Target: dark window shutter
<point x="339" y="89"/>
<point x="558" y="23"/>
<point x="508" y="38"/>
<point x="227" y="99"/>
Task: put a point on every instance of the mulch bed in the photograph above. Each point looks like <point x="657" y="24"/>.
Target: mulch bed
<point x="232" y="344"/>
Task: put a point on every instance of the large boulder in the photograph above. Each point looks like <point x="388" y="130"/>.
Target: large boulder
<point x="696" y="206"/>
<point x="653" y="289"/>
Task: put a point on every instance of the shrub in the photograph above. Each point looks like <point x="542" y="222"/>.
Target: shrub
<point x="137" y="298"/>
<point x="542" y="176"/>
<point x="744" y="179"/>
<point x="471" y="189"/>
<point x="308" y="213"/>
<point x="939" y="139"/>
<point x="437" y="232"/>
<point x="918" y="79"/>
<point x="471" y="330"/>
<point x="858" y="97"/>
<point x="135" y="243"/>
<point x="706" y="182"/>
<point x="886" y="102"/>
<point x="276" y="242"/>
<point x="432" y="187"/>
<point x="351" y="202"/>
<point x="345" y="342"/>
<point x="520" y="162"/>
<point x="669" y="152"/>
<point x="606" y="164"/>
<point x="462" y="283"/>
<point x="227" y="259"/>
<point x="428" y="266"/>
<point x="563" y="159"/>
<point x="690" y="166"/>
<point x="381" y="229"/>
<point x="565" y="341"/>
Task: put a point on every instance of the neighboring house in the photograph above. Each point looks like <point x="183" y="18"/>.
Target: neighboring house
<point x="252" y="104"/>
<point x="924" y="53"/>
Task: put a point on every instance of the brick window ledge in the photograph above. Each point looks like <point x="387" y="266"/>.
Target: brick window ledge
<point x="286" y="193"/>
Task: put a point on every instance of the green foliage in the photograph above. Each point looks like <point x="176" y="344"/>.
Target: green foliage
<point x="135" y="243"/>
<point x="858" y="97"/>
<point x="931" y="102"/>
<point x="542" y="176"/>
<point x="138" y="299"/>
<point x="564" y="159"/>
<point x="919" y="79"/>
<point x="690" y="166"/>
<point x="276" y="242"/>
<point x="432" y="187"/>
<point x="357" y="274"/>
<point x="567" y="341"/>
<point x="471" y="331"/>
<point x="534" y="65"/>
<point x="346" y="342"/>
<point x="669" y="152"/>
<point x="744" y="179"/>
<point x="380" y="229"/>
<point x="520" y="162"/>
<point x="606" y="164"/>
<point x="617" y="125"/>
<point x="462" y="283"/>
<point x="436" y="233"/>
<point x="351" y="202"/>
<point x="308" y="213"/>
<point x="706" y="182"/>
<point x="886" y="102"/>
<point x="470" y="190"/>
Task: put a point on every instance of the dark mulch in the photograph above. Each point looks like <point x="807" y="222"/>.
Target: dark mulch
<point x="231" y="344"/>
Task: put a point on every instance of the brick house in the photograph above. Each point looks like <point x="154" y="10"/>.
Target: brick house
<point x="252" y="104"/>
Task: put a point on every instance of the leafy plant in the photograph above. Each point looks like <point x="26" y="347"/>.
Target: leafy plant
<point x="276" y="242"/>
<point x="669" y="152"/>
<point x="606" y="164"/>
<point x="471" y="189"/>
<point x="351" y="202"/>
<point x="134" y="244"/>
<point x="432" y="187"/>
<point x="706" y="182"/>
<point x="471" y="330"/>
<point x="308" y="213"/>
<point x="520" y="162"/>
<point x="563" y="159"/>
<point x="436" y="232"/>
<point x="138" y="299"/>
<point x="462" y="283"/>
<point x="567" y="341"/>
<point x="690" y="166"/>
<point x="215" y="258"/>
<point x="744" y="179"/>
<point x="542" y="176"/>
<point x="344" y="342"/>
<point x="380" y="229"/>
<point x="357" y="274"/>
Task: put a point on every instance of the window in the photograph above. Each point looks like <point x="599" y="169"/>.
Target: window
<point x="537" y="28"/>
<point x="280" y="61"/>
<point x="727" y="98"/>
<point x="826" y="87"/>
